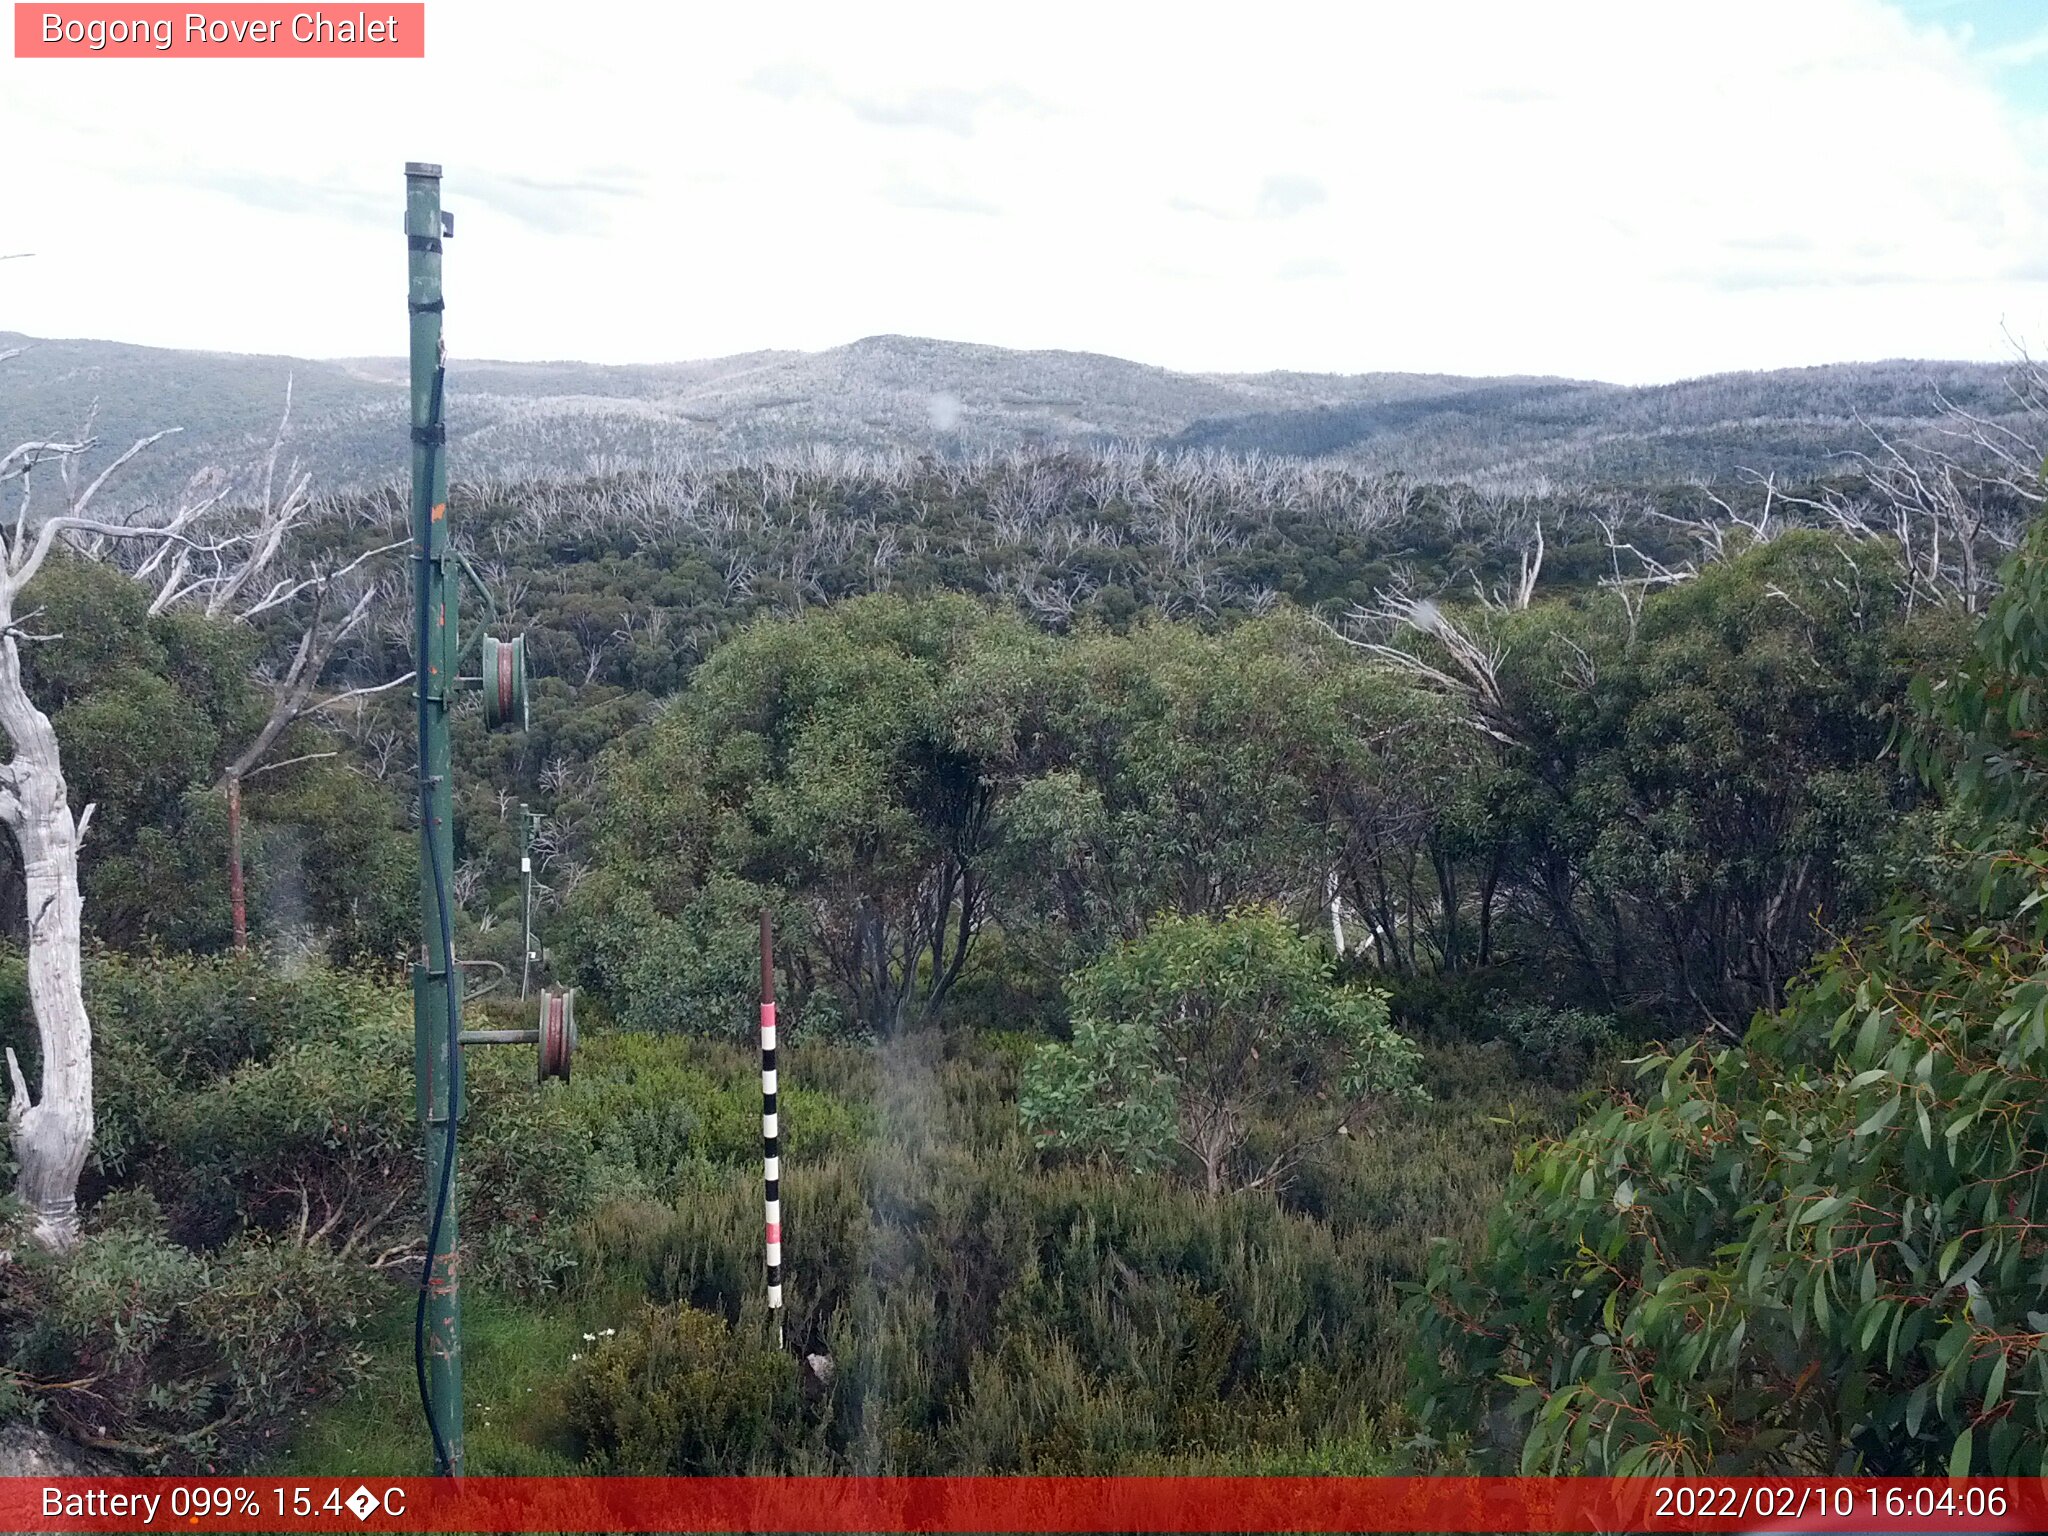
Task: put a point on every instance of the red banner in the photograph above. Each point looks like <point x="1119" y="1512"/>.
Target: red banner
<point x="1021" y="1504"/>
<point x="229" y="31"/>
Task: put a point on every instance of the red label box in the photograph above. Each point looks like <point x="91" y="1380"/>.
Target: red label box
<point x="230" y="31"/>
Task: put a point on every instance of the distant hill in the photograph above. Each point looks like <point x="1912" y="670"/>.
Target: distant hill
<point x="896" y="392"/>
<point x="1791" y="421"/>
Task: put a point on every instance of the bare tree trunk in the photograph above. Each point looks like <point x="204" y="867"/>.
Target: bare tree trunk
<point x="237" y="900"/>
<point x="1487" y="887"/>
<point x="52" y="1135"/>
<point x="293" y="700"/>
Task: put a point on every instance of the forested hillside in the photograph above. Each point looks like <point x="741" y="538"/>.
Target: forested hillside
<point x="891" y="395"/>
<point x="1286" y="966"/>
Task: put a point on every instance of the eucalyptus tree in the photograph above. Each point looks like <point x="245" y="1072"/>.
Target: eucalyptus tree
<point x="1222" y="1042"/>
<point x="1189" y="773"/>
<point x="852" y="767"/>
<point x="1688" y="789"/>
<point x="1819" y="1248"/>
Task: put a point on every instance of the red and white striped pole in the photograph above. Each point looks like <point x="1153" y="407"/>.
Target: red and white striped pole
<point x="771" y="1139"/>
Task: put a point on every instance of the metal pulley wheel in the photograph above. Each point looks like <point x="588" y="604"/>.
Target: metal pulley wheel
<point x="557" y="1032"/>
<point x="504" y="682"/>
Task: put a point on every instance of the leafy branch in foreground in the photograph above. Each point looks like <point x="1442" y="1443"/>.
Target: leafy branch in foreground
<point x="1822" y="1248"/>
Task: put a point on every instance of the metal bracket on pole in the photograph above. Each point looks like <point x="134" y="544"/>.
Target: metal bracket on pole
<point x="462" y="561"/>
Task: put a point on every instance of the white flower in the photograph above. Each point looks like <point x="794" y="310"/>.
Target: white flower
<point x="589" y="1338"/>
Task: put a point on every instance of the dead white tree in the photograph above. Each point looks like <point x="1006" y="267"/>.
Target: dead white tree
<point x="241" y="573"/>
<point x="1953" y="511"/>
<point x="1469" y="670"/>
<point x="1532" y="567"/>
<point x="51" y="1130"/>
<point x="189" y="558"/>
<point x="1633" y="575"/>
<point x="1523" y="592"/>
<point x="293" y="698"/>
<point x="1950" y="506"/>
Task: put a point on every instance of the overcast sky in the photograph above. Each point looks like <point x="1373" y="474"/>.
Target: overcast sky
<point x="1631" y="192"/>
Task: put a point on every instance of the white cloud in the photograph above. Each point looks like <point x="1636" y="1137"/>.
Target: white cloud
<point x="1612" y="190"/>
<point x="2020" y="52"/>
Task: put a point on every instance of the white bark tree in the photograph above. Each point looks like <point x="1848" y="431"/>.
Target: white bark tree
<point x="1472" y="675"/>
<point x="51" y="1130"/>
<point x="227" y="571"/>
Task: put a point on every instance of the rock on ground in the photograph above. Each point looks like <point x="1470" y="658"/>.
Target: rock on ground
<point x="30" y="1452"/>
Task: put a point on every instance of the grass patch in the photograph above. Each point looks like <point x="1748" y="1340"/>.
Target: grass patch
<point x="515" y="1354"/>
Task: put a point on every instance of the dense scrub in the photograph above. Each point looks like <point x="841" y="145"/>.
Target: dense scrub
<point x="1821" y="1248"/>
<point x="256" y="1173"/>
<point x="1656" y="812"/>
<point x="980" y="1311"/>
<point x="1100" y="803"/>
<point x="254" y="1214"/>
<point x="1635" y="847"/>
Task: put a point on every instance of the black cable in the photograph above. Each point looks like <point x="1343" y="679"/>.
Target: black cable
<point x="443" y="1465"/>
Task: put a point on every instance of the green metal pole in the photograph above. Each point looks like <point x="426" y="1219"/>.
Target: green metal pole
<point x="437" y="1001"/>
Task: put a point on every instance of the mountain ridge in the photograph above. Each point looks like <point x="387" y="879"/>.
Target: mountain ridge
<point x="889" y="392"/>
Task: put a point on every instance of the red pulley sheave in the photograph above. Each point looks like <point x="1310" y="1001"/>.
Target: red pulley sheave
<point x="557" y="1032"/>
<point x="504" y="682"/>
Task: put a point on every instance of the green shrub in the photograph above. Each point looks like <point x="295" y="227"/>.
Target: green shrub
<point x="175" y="1357"/>
<point x="247" y="1101"/>
<point x="679" y="1391"/>
<point x="1562" y="1043"/>
<point x="1434" y="1005"/>
<point x="1818" y="1249"/>
<point x="1811" y="1251"/>
<point x="696" y="971"/>
<point x="649" y="1108"/>
<point x="1223" y="1043"/>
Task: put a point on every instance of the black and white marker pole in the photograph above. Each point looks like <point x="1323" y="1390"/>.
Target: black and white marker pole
<point x="771" y="1139"/>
